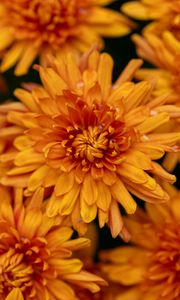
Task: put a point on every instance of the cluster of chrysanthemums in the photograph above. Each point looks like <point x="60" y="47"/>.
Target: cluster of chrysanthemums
<point x="81" y="147"/>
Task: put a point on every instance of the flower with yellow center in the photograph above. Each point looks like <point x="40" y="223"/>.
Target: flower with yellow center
<point x="164" y="14"/>
<point x="164" y="53"/>
<point x="150" y="268"/>
<point x="35" y="28"/>
<point x="91" y="142"/>
<point x="36" y="253"/>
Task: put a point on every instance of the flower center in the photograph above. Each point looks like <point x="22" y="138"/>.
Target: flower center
<point x="98" y="143"/>
<point x="86" y="135"/>
<point x="90" y="144"/>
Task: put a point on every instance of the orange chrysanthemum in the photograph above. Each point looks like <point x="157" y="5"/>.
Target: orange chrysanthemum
<point x="36" y="253"/>
<point x="163" y="13"/>
<point x="164" y="53"/>
<point x="31" y="28"/>
<point x="91" y="141"/>
<point x="150" y="268"/>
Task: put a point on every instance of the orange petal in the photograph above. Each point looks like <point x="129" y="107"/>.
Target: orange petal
<point x="121" y="195"/>
<point x="132" y="173"/>
<point x="37" y="177"/>
<point x="104" y="73"/>
<point x="159" y="171"/>
<point x="52" y="206"/>
<point x="15" y="294"/>
<point x="58" y="236"/>
<point x="103" y="217"/>
<point x="27" y="98"/>
<point x="68" y="200"/>
<point x="66" y="266"/>
<point x="6" y="38"/>
<point x="104" y="196"/>
<point x="11" y="56"/>
<point x="153" y="122"/>
<point x="88" y="213"/>
<point x="31" y="223"/>
<point x="89" y="190"/>
<point x="28" y="156"/>
<point x="136" y="10"/>
<point x="61" y="290"/>
<point x="138" y="159"/>
<point x="115" y="219"/>
<point x="52" y="81"/>
<point x="129" y="71"/>
<point x="28" y="56"/>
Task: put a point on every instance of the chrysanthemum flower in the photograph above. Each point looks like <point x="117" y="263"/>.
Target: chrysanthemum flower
<point x="32" y="28"/>
<point x="164" y="53"/>
<point x="163" y="13"/>
<point x="36" y="253"/>
<point x="150" y="267"/>
<point x="91" y="141"/>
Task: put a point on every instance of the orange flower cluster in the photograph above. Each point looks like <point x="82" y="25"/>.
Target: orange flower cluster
<point x="89" y="141"/>
<point x="80" y="147"/>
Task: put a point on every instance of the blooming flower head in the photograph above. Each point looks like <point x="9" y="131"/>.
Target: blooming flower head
<point x="150" y="267"/>
<point x="32" y="28"/>
<point x="163" y="13"/>
<point x="36" y="252"/>
<point x="164" y="53"/>
<point x="90" y="141"/>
